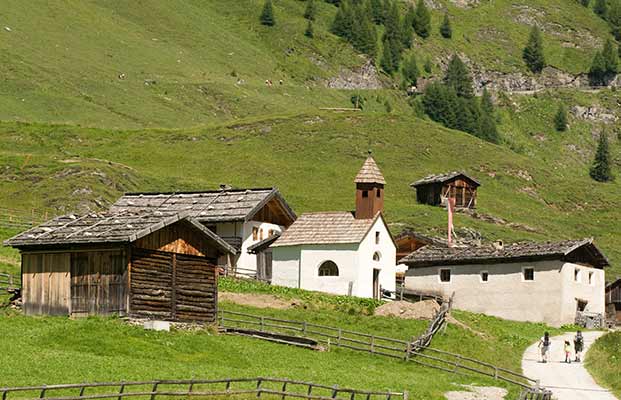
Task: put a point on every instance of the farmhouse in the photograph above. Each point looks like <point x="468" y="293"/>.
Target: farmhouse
<point x="613" y="301"/>
<point x="538" y="282"/>
<point x="241" y="217"/>
<point x="435" y="189"/>
<point x="155" y="265"/>
<point x="342" y="252"/>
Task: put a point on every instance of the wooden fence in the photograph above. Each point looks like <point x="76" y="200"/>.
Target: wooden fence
<point x="412" y="350"/>
<point x="255" y="387"/>
<point x="439" y="321"/>
<point x="21" y="219"/>
<point x="9" y="282"/>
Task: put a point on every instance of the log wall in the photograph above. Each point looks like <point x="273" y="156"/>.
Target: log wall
<point x="172" y="286"/>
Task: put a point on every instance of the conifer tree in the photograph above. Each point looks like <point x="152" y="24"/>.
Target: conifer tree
<point x="440" y="104"/>
<point x="363" y="35"/>
<point x="375" y="9"/>
<point x="343" y="21"/>
<point x="407" y="32"/>
<point x="309" y="32"/>
<point x="468" y="116"/>
<point x="601" y="8"/>
<point x="487" y="128"/>
<point x="445" y="29"/>
<point x="600" y="169"/>
<point x="614" y="18"/>
<point x="560" y="119"/>
<point x="487" y="105"/>
<point x="386" y="61"/>
<point x="410" y="71"/>
<point x="422" y="20"/>
<point x="267" y="15"/>
<point x="533" y="52"/>
<point x="611" y="59"/>
<point x="458" y="77"/>
<point x="311" y="10"/>
<point x="597" y="72"/>
<point x="393" y="39"/>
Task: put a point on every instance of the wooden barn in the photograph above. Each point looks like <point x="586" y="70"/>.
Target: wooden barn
<point x="149" y="265"/>
<point x="613" y="301"/>
<point x="435" y="189"/>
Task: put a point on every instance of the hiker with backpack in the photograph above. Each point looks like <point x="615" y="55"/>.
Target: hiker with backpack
<point x="578" y="346"/>
<point x="544" y="346"/>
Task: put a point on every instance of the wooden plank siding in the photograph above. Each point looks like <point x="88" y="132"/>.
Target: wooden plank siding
<point x="46" y="283"/>
<point x="180" y="238"/>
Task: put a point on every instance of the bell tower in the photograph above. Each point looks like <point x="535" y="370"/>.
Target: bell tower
<point x="369" y="190"/>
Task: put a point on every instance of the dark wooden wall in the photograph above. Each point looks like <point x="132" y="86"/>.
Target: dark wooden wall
<point x="180" y="237"/>
<point x="461" y="189"/>
<point x="368" y="207"/>
<point x="173" y="286"/>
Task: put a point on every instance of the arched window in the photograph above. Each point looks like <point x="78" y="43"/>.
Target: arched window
<point x="376" y="256"/>
<point x="328" y="268"/>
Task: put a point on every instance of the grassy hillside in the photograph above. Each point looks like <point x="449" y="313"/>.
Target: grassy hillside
<point x="603" y="360"/>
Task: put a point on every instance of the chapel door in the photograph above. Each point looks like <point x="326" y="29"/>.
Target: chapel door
<point x="376" y="288"/>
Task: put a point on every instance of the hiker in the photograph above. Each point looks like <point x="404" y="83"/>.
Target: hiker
<point x="567" y="349"/>
<point x="544" y="345"/>
<point x="578" y="346"/>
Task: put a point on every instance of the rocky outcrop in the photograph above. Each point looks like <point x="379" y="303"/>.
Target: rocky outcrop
<point x="366" y="77"/>
<point x="594" y="113"/>
<point x="465" y="3"/>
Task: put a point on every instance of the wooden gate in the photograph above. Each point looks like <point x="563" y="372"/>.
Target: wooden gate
<point x="98" y="282"/>
<point x="172" y="286"/>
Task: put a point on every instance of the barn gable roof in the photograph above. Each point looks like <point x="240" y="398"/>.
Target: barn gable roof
<point x="123" y="227"/>
<point x="338" y="227"/>
<point x="209" y="206"/>
<point x="576" y="250"/>
<point x="442" y="178"/>
<point x="370" y="173"/>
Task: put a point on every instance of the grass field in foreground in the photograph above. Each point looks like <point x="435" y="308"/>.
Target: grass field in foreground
<point x="604" y="361"/>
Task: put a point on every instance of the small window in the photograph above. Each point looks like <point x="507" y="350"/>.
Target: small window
<point x="261" y="234"/>
<point x="590" y="278"/>
<point x="528" y="274"/>
<point x="445" y="275"/>
<point x="328" y="268"/>
<point x="365" y="193"/>
<point x="255" y="233"/>
<point x="577" y="275"/>
<point x="484" y="276"/>
<point x="376" y="256"/>
<point x="270" y="233"/>
<point x="378" y="192"/>
<point x="377" y="237"/>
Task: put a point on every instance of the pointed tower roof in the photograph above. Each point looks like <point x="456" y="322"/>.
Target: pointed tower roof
<point x="370" y="172"/>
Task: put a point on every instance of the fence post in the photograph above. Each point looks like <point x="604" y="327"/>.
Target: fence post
<point x="338" y="339"/>
<point x="496" y="373"/>
<point x="372" y="343"/>
<point x="154" y="389"/>
<point x="259" y="384"/>
<point x="82" y="389"/>
<point x="262" y="324"/>
<point x="304" y="328"/>
<point x="310" y="389"/>
<point x="121" y="389"/>
<point x="408" y="349"/>
<point x="191" y="387"/>
<point x="457" y="364"/>
<point x="42" y="394"/>
<point x="405" y="395"/>
<point x="335" y="390"/>
<point x="228" y="385"/>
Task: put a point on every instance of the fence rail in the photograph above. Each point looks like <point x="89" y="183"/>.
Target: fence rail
<point x="535" y="394"/>
<point x="9" y="282"/>
<point x="280" y="387"/>
<point x="412" y="350"/>
<point x="21" y="219"/>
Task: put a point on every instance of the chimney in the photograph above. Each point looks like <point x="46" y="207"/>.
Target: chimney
<point x="369" y="190"/>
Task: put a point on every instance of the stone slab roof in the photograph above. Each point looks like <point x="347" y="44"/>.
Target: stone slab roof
<point x="441" y="178"/>
<point x="441" y="255"/>
<point x="207" y="206"/>
<point x="339" y="227"/>
<point x="107" y="228"/>
<point x="370" y="173"/>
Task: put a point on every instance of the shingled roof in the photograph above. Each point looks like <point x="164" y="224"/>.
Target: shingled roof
<point x="208" y="206"/>
<point x="441" y="178"/>
<point x="337" y="227"/>
<point x="370" y="173"/>
<point x="124" y="227"/>
<point x="570" y="250"/>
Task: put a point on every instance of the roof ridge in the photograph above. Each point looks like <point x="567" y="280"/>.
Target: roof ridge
<point x="256" y="189"/>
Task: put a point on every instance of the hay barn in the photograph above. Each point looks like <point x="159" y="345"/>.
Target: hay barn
<point x="435" y="189"/>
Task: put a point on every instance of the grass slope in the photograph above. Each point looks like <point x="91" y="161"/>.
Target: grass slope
<point x="603" y="361"/>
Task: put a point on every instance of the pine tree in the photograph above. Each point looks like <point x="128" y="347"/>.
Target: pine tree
<point x="560" y="119"/>
<point x="343" y="21"/>
<point x="422" y="20"/>
<point x="386" y="61"/>
<point x="468" y="115"/>
<point x="611" y="59"/>
<point x="440" y="103"/>
<point x="601" y="8"/>
<point x="600" y="170"/>
<point x="614" y="18"/>
<point x="487" y="104"/>
<point x="309" y="32"/>
<point x="393" y="39"/>
<point x="410" y="71"/>
<point x="445" y="29"/>
<point x="458" y="77"/>
<point x="376" y="11"/>
<point x="407" y="32"/>
<point x="597" y="72"/>
<point x="267" y="15"/>
<point x="487" y="128"/>
<point x="533" y="52"/>
<point x="363" y="36"/>
<point x="310" y="11"/>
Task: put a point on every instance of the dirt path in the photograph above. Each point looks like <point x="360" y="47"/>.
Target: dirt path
<point x="567" y="381"/>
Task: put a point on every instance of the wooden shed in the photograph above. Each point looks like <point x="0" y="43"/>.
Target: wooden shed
<point x="613" y="301"/>
<point x="150" y="265"/>
<point x="435" y="189"/>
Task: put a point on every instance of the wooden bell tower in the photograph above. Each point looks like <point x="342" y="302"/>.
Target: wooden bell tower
<point x="369" y="190"/>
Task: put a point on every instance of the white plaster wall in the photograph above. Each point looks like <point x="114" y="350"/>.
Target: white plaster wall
<point x="343" y="255"/>
<point x="285" y="266"/>
<point x="387" y="265"/>
<point x="506" y="294"/>
<point x="249" y="261"/>
<point x="593" y="293"/>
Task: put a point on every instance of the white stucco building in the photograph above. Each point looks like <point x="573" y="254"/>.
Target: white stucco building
<point x="343" y="252"/>
<point x="537" y="282"/>
<point x="241" y="217"/>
